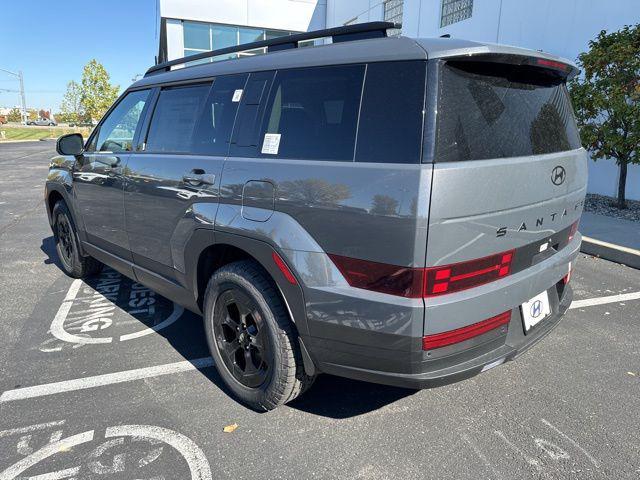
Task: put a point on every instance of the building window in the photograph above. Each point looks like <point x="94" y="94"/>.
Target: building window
<point x="203" y="37"/>
<point x="393" y="13"/>
<point x="454" y="11"/>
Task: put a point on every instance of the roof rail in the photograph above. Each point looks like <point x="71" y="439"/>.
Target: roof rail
<point x="358" y="31"/>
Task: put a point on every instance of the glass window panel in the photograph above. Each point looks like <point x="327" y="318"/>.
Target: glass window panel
<point x="188" y="53"/>
<point x="248" y="35"/>
<point x="390" y="129"/>
<point x="491" y="110"/>
<point x="174" y="118"/>
<point x="213" y="132"/>
<point x="315" y="110"/>
<point x="117" y="130"/>
<point x="224" y="36"/>
<point x="271" y="34"/>
<point x="454" y="11"/>
<point x="196" y="35"/>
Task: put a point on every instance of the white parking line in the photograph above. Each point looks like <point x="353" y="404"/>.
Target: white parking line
<point x="105" y="379"/>
<point x="195" y="364"/>
<point x="591" y="302"/>
<point x="30" y="428"/>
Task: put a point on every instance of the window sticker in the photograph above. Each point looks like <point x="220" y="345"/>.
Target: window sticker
<point x="271" y="143"/>
<point x="237" y="95"/>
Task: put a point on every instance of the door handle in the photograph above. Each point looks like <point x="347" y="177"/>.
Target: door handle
<point x="197" y="176"/>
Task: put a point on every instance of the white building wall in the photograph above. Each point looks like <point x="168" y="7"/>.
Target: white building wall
<point x="295" y="15"/>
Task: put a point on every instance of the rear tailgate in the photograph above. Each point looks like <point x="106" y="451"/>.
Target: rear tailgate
<point x="509" y="178"/>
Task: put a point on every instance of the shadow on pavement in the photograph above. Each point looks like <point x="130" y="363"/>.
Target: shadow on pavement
<point x="330" y="396"/>
<point x="49" y="248"/>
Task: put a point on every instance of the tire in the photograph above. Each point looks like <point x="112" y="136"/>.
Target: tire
<point x="73" y="262"/>
<point x="263" y="336"/>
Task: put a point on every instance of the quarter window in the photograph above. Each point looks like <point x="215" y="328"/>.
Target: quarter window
<point x="116" y="132"/>
<point x="174" y="118"/>
<point x="312" y="113"/>
<point x="390" y="129"/>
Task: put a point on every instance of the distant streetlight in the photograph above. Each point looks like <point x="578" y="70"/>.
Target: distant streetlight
<point x="22" y="97"/>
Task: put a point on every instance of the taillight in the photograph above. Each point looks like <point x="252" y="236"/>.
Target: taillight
<point x="543" y="62"/>
<point x="438" y="340"/>
<point x="418" y="282"/>
<point x="573" y="229"/>
<point x="463" y="275"/>
<point x="380" y="277"/>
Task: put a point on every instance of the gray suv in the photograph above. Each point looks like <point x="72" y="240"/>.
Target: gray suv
<point x="394" y="210"/>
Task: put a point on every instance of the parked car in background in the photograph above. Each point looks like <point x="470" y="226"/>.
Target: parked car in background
<point x="42" y="122"/>
<point x="84" y="123"/>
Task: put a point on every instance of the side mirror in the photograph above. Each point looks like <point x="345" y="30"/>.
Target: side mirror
<point x="70" y="144"/>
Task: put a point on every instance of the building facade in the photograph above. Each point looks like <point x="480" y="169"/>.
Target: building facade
<point x="561" y="27"/>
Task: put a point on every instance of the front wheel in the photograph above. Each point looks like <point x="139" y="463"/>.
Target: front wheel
<point x="67" y="247"/>
<point x="252" y="340"/>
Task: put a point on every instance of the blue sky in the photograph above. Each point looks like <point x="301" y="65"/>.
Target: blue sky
<point x="50" y="41"/>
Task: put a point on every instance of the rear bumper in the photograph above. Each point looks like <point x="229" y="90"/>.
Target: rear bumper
<point x="508" y="347"/>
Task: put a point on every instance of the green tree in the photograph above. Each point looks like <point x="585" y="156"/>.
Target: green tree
<point x="71" y="107"/>
<point x="606" y="99"/>
<point x="97" y="93"/>
<point x="14" y="115"/>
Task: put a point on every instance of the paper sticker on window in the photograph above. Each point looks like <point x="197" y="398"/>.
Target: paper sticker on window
<point x="237" y="95"/>
<point x="271" y="143"/>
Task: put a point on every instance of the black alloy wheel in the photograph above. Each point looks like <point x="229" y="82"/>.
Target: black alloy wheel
<point x="65" y="242"/>
<point x="242" y="338"/>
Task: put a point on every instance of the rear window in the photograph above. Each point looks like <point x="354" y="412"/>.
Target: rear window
<point x="491" y="110"/>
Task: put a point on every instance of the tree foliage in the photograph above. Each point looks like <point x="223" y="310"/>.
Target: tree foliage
<point x="97" y="93"/>
<point x="71" y="107"/>
<point x="14" y="115"/>
<point x="606" y="99"/>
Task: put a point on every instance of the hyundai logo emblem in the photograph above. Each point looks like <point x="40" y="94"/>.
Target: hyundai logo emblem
<point x="558" y="175"/>
<point x="536" y="309"/>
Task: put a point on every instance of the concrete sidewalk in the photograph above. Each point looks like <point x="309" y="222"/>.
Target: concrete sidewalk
<point x="611" y="238"/>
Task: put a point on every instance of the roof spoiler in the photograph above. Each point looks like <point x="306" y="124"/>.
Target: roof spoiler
<point x="345" y="33"/>
<point x="558" y="67"/>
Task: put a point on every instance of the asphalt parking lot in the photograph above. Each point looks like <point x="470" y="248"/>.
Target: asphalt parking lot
<point x="96" y="383"/>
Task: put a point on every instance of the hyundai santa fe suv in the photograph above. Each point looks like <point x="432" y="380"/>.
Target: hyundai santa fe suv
<point x="394" y="210"/>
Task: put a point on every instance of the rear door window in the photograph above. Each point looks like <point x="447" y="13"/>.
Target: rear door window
<point x="213" y="131"/>
<point x="391" y="116"/>
<point x="492" y="110"/>
<point x="174" y="118"/>
<point x="312" y="113"/>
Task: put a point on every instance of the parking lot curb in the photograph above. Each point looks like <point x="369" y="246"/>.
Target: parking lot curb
<point x="611" y="251"/>
<point x="2" y="142"/>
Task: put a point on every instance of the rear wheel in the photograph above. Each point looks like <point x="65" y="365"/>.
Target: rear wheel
<point x="252" y="340"/>
<point x="73" y="262"/>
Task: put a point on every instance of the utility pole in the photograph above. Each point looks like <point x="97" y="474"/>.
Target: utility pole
<point x="22" y="97"/>
<point x="23" y="101"/>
